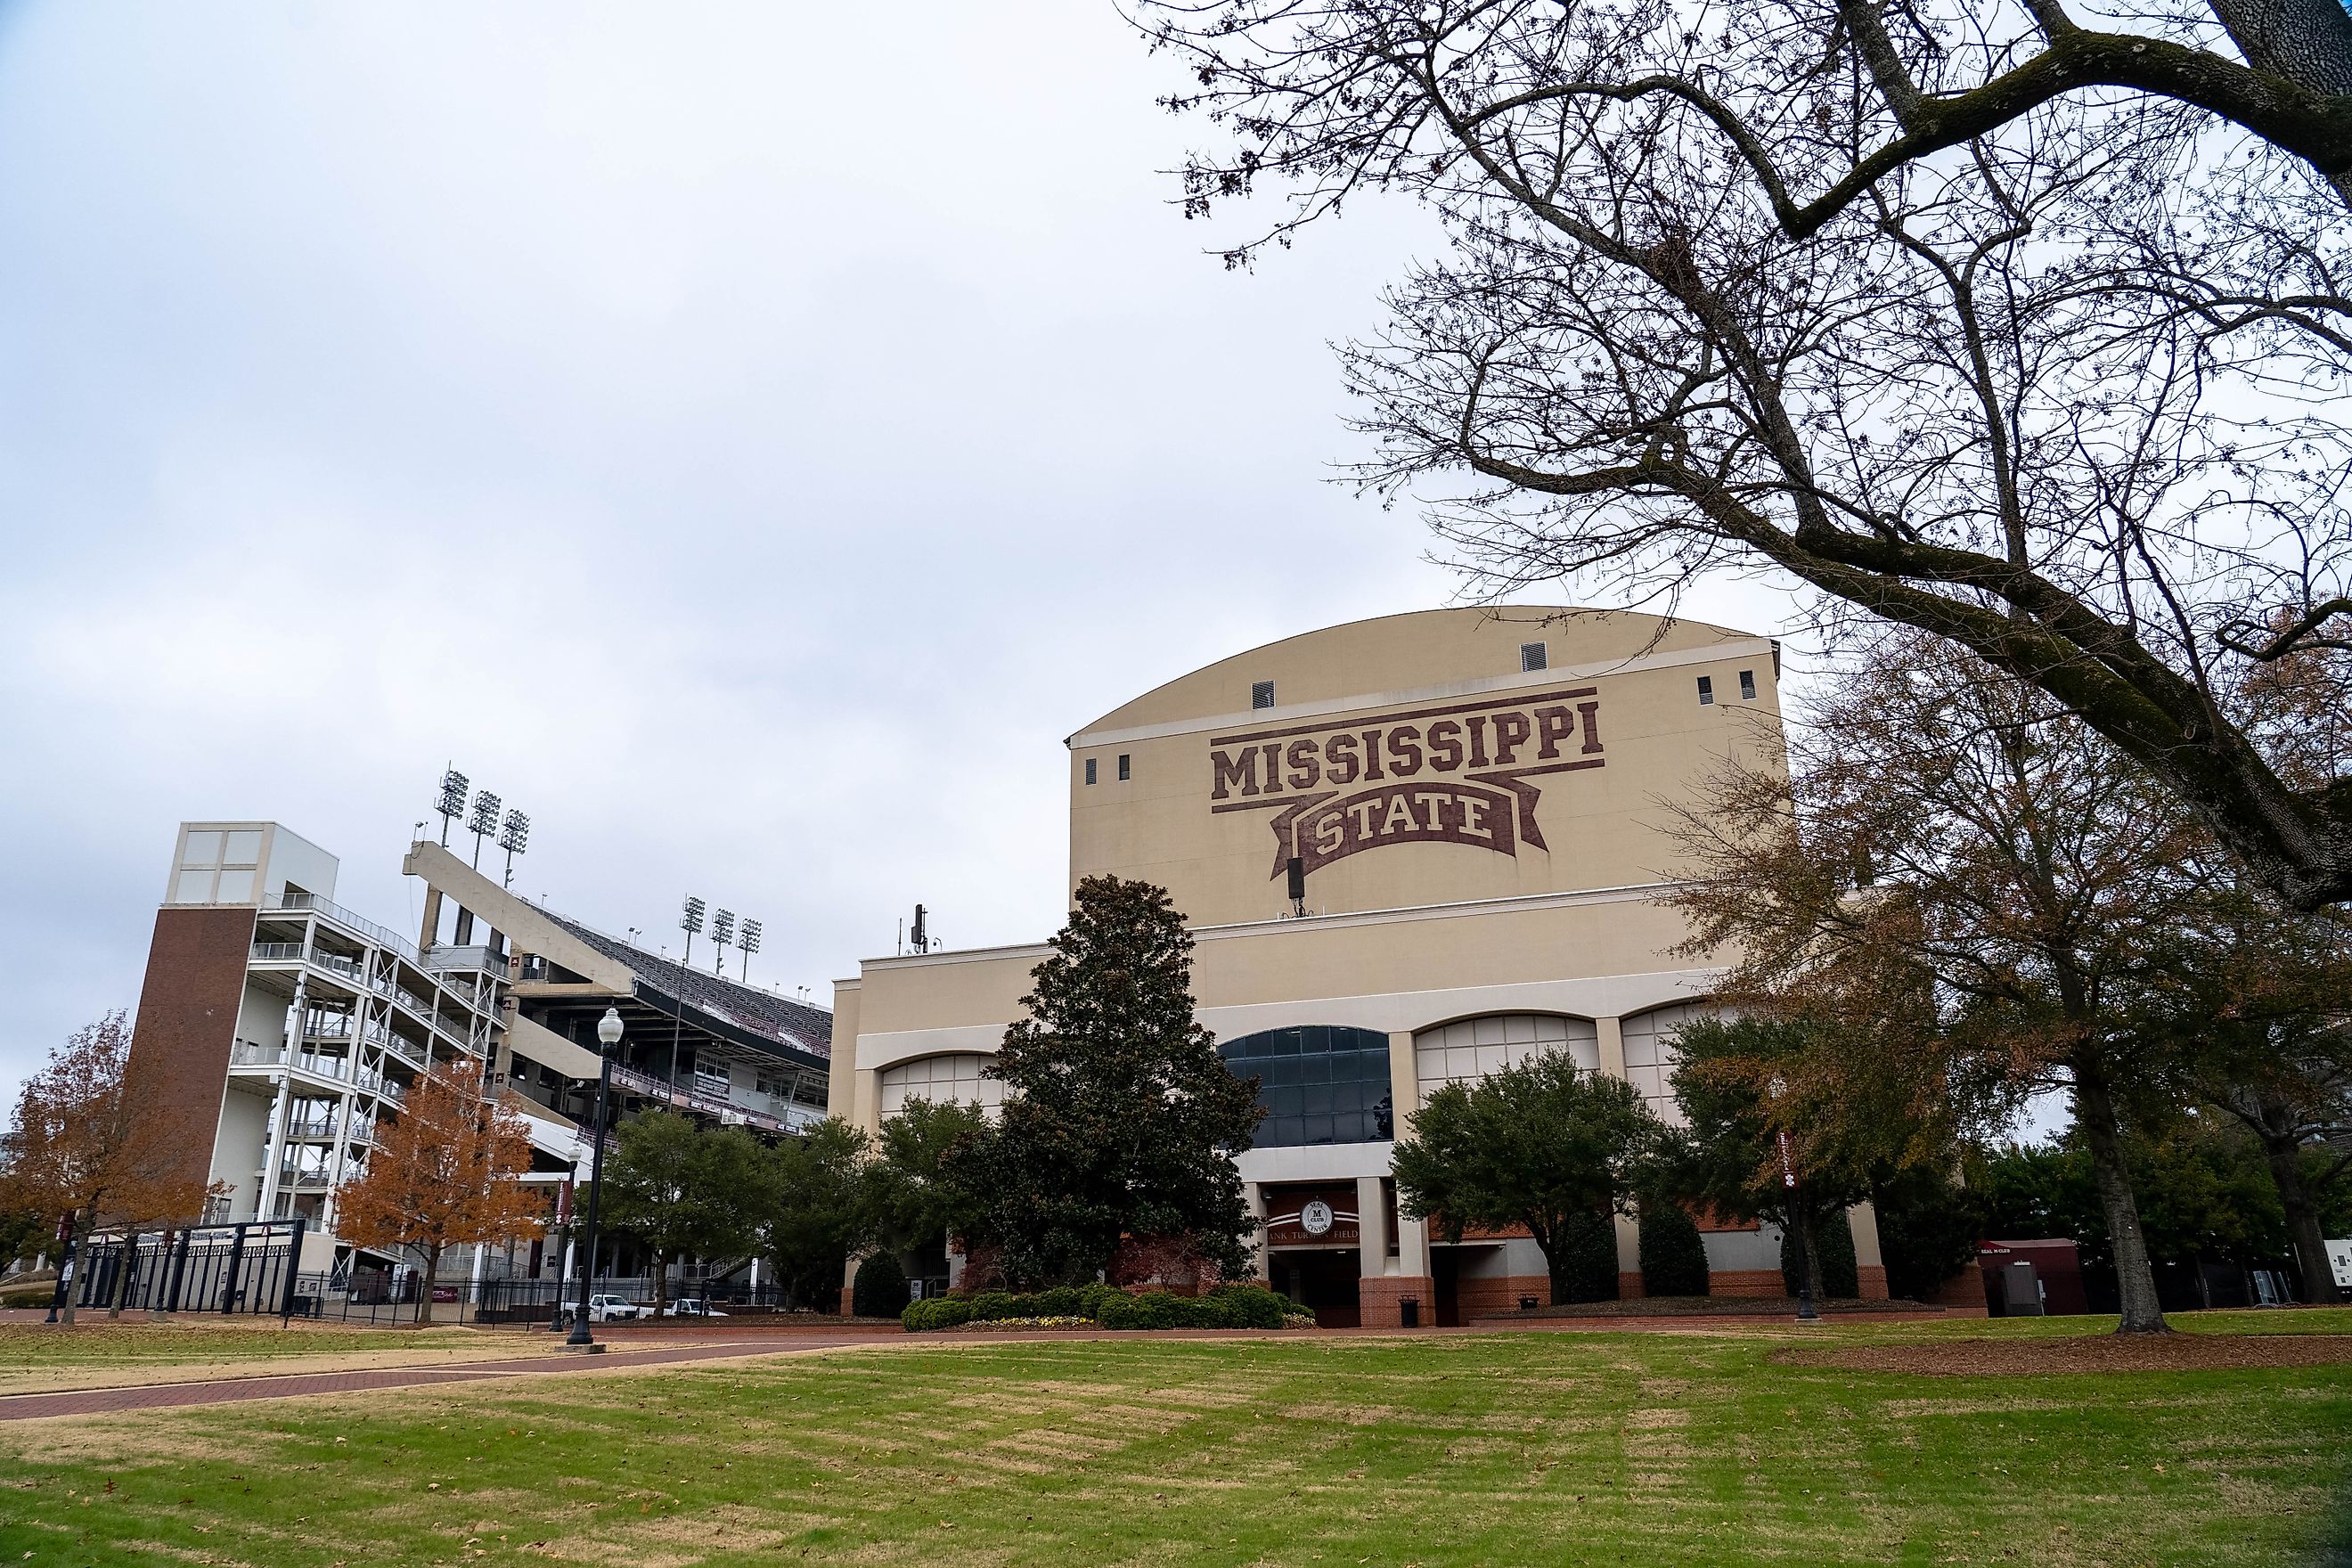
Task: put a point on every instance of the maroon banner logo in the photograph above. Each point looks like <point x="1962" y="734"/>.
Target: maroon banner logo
<point x="1324" y="828"/>
<point x="1469" y="766"/>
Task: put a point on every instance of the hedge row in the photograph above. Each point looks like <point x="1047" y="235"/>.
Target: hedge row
<point x="1226" y="1307"/>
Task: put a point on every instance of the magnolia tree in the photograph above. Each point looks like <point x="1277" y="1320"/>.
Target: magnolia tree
<point x="83" y="1149"/>
<point x="444" y="1174"/>
<point x="2025" y="329"/>
<point x="1120" y="1124"/>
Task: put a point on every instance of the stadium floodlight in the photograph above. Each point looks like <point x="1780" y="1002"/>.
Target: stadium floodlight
<point x="748" y="942"/>
<point x="514" y="838"/>
<point x="483" y="821"/>
<point x="691" y="921"/>
<point x="453" y="801"/>
<point x="723" y="932"/>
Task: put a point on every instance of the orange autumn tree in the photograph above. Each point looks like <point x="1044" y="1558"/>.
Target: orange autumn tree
<point x="443" y="1175"/>
<point x="84" y="1150"/>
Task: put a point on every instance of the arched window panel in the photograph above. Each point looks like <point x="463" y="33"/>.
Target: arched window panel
<point x="1469" y="1048"/>
<point x="1650" y="1056"/>
<point x="939" y="1080"/>
<point x="1320" y="1083"/>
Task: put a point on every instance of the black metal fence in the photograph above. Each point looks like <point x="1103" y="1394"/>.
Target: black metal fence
<point x="250" y="1267"/>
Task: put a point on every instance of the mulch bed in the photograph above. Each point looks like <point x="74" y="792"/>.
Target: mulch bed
<point x="1702" y="1307"/>
<point x="2091" y="1352"/>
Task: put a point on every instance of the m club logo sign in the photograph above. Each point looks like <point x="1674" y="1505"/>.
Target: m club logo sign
<point x="1453" y="774"/>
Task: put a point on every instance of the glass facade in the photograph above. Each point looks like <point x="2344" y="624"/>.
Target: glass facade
<point x="1319" y="1084"/>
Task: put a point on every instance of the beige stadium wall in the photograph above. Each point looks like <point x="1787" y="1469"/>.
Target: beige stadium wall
<point x="1405" y="935"/>
<point x="1614" y="727"/>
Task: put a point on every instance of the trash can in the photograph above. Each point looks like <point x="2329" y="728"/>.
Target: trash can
<point x="1409" y="1311"/>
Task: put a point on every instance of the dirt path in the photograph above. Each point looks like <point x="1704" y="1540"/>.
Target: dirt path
<point x="279" y="1384"/>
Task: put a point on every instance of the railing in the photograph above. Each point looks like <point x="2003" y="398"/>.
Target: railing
<point x="276" y="952"/>
<point x="311" y="1129"/>
<point x="375" y="933"/>
<point x="646" y="1083"/>
<point x="327" y="1026"/>
<point x="253" y="1054"/>
<point x="476" y="957"/>
<point x="349" y="968"/>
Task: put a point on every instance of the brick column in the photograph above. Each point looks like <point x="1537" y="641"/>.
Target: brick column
<point x="1255" y="1196"/>
<point x="1629" y="1257"/>
<point x="1870" y="1263"/>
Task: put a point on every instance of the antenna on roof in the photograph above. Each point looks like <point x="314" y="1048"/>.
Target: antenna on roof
<point x="691" y="923"/>
<point x="483" y="821"/>
<point x="512" y="838"/>
<point x="723" y="933"/>
<point x="453" y="801"/>
<point x="748" y="940"/>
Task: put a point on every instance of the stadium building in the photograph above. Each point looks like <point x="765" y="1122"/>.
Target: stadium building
<point x="278" y="1027"/>
<point x="1478" y="802"/>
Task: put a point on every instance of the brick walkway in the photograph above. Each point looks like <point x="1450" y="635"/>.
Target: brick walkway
<point x="290" y="1385"/>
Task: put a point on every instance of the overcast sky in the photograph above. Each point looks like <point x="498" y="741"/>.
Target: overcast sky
<point x="748" y="438"/>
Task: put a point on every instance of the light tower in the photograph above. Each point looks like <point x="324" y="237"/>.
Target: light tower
<point x="483" y="822"/>
<point x="453" y="801"/>
<point x="513" y="838"/>
<point x="723" y="932"/>
<point x="748" y="942"/>
<point x="690" y="921"/>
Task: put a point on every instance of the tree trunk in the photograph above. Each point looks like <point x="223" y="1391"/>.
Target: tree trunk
<point x="123" y="1280"/>
<point x="2284" y="1152"/>
<point x="2094" y="1113"/>
<point x="424" y="1287"/>
<point x="661" y="1282"/>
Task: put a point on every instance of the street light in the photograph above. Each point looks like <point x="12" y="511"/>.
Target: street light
<point x="608" y="1037"/>
<point x="1805" y="1312"/>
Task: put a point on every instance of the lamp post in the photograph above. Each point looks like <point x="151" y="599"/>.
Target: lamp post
<point x="1805" y="1312"/>
<point x="608" y="1036"/>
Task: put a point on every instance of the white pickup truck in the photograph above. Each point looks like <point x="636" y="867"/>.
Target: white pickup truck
<point x="616" y="1309"/>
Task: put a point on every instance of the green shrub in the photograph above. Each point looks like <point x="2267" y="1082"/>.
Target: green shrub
<point x="1249" y="1305"/>
<point x="938" y="1312"/>
<point x="1226" y="1307"/>
<point x="1673" y="1255"/>
<point x="1841" y="1278"/>
<point x="1589" y="1242"/>
<point x="879" y="1290"/>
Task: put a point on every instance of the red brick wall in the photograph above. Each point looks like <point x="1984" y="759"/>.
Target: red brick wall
<point x="1500" y="1295"/>
<point x="1378" y="1297"/>
<point x="187" y="1021"/>
<point x="1747" y="1282"/>
<point x="1873" y="1278"/>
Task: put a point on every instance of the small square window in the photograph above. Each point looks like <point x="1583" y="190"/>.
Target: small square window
<point x="1706" y="692"/>
<point x="1261" y="694"/>
<point x="1090" y="770"/>
<point x="1747" y="686"/>
<point x="1532" y="655"/>
<point x="1125" y="772"/>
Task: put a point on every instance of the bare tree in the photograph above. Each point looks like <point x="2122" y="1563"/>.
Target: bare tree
<point x="2045" y="371"/>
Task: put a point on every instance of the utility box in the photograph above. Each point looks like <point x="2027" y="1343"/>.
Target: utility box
<point x="2021" y="1292"/>
<point x="2031" y="1279"/>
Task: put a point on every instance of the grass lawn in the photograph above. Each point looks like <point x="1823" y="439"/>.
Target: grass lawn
<point x="1623" y="1448"/>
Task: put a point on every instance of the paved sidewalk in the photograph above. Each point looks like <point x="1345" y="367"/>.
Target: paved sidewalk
<point x="290" y="1385"/>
